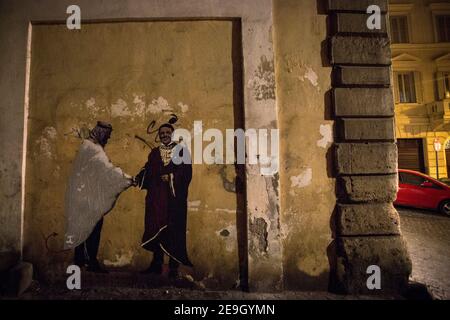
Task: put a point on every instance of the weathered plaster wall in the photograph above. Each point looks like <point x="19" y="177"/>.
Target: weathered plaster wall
<point x="307" y="194"/>
<point x="12" y="83"/>
<point x="264" y="268"/>
<point x="307" y="188"/>
<point x="130" y="74"/>
<point x="288" y="248"/>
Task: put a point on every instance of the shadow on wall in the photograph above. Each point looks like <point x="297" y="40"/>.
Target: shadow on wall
<point x="240" y="183"/>
<point x="305" y="282"/>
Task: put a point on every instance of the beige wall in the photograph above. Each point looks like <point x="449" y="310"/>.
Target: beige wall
<point x="307" y="190"/>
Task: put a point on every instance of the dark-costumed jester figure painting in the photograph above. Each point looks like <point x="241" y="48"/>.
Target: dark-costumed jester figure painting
<point x="166" y="202"/>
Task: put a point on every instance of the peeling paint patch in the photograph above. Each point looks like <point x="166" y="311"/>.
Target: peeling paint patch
<point x="121" y="260"/>
<point x="258" y="228"/>
<point x="263" y="83"/>
<point x="225" y="210"/>
<point x="45" y="142"/>
<point x="119" y="109"/>
<point x="184" y="107"/>
<point x="139" y="105"/>
<point x="90" y="103"/>
<point x="193" y="205"/>
<point x="302" y="180"/>
<point x="327" y="136"/>
<point x="50" y="132"/>
<point x="92" y="107"/>
<point x="311" y="76"/>
<point x="159" y="105"/>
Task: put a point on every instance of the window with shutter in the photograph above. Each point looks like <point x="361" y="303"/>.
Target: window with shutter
<point x="443" y="85"/>
<point x="417" y="83"/>
<point x="406" y="87"/>
<point x="410" y="155"/>
<point x="447" y="84"/>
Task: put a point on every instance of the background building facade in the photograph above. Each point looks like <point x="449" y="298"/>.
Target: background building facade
<point x="420" y="43"/>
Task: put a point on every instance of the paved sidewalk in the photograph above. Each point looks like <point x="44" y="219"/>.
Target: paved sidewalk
<point x="427" y="234"/>
<point x="171" y="293"/>
<point x="134" y="286"/>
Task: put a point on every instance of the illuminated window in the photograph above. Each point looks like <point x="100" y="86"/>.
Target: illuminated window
<point x="442" y="88"/>
<point x="405" y="87"/>
<point x="447" y="84"/>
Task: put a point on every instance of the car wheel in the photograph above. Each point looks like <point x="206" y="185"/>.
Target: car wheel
<point x="445" y="207"/>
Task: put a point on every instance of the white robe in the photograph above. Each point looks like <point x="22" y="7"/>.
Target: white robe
<point x="93" y="188"/>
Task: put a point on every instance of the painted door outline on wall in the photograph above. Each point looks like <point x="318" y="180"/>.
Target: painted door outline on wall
<point x="236" y="185"/>
<point x="257" y="23"/>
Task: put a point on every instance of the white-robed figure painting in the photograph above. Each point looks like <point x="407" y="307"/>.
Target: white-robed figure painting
<point x="93" y="188"/>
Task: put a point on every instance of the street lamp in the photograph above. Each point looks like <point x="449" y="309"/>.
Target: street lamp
<point x="437" y="147"/>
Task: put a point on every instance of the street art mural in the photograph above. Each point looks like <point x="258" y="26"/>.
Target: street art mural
<point x="95" y="184"/>
<point x="92" y="191"/>
<point x="95" y="145"/>
<point x="167" y="186"/>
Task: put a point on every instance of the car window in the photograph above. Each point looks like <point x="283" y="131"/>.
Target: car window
<point x="436" y="186"/>
<point x="409" y="178"/>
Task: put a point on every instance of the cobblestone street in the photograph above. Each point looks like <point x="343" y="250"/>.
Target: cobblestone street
<point x="427" y="234"/>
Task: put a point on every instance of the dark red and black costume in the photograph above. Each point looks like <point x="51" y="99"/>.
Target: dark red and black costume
<point x="166" y="203"/>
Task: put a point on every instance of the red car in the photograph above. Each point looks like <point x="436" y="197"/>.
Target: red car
<point x="421" y="191"/>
